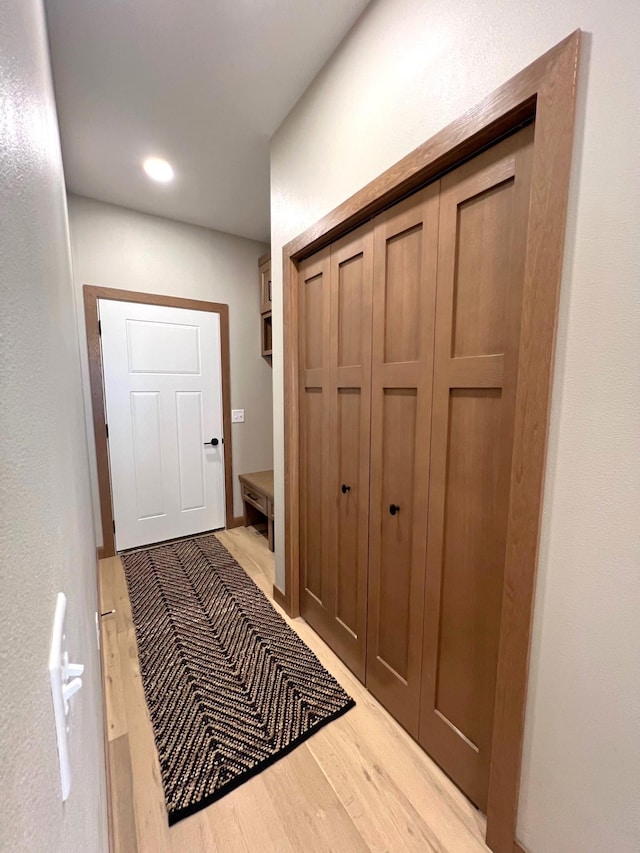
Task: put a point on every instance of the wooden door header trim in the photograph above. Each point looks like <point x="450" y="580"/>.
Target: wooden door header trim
<point x="91" y="295"/>
<point x="545" y="91"/>
<point x="96" y="292"/>
<point x="500" y="112"/>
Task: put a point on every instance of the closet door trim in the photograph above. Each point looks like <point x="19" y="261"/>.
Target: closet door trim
<point x="544" y="91"/>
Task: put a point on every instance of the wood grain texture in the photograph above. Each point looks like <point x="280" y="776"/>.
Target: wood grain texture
<point x="315" y="444"/>
<point x="507" y="107"/>
<point x="348" y="394"/>
<point x="96" y="382"/>
<point x="544" y="91"/>
<point x="405" y="245"/>
<point x="264" y="280"/>
<point x="360" y="783"/>
<point x="551" y="170"/>
<point x="260" y="480"/>
<point x="481" y="251"/>
<point x="257" y="491"/>
<point x="91" y="295"/>
<point x="122" y="812"/>
<point x="279" y="597"/>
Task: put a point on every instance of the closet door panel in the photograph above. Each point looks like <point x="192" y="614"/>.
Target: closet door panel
<point x="315" y="448"/>
<point x="482" y="235"/>
<point x="405" y="244"/>
<point x="350" y="402"/>
<point x="334" y="432"/>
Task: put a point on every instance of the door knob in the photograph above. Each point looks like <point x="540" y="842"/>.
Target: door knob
<point x="393" y="509"/>
<point x="214" y="442"/>
<point x="345" y="489"/>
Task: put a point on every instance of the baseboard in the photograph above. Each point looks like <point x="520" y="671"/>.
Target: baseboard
<point x="237" y="521"/>
<point x="518" y="848"/>
<point x="100" y="552"/>
<point x="280" y="598"/>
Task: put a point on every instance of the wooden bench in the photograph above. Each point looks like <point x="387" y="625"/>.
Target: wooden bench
<point x="257" y="500"/>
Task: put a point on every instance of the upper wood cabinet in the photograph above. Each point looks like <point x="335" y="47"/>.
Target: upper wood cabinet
<point x="264" y="270"/>
<point x="264" y="283"/>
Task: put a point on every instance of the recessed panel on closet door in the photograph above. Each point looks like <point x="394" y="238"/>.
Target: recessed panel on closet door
<point x="482" y="238"/>
<point x="314" y="295"/>
<point x="405" y="245"/>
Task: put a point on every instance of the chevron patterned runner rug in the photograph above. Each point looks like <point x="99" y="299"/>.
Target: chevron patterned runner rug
<point x="229" y="686"/>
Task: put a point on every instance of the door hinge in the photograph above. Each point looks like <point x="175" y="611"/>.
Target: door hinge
<point x="100" y="327"/>
<point x="106" y="426"/>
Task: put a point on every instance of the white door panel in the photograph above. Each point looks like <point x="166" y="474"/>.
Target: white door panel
<point x="163" y="395"/>
<point x="147" y="453"/>
<point x="190" y="450"/>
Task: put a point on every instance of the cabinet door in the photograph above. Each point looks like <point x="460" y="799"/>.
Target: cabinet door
<point x="482" y="238"/>
<point x="315" y="445"/>
<point x="264" y="272"/>
<point x="405" y="244"/>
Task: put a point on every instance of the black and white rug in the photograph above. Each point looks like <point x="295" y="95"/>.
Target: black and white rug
<point x="229" y="686"/>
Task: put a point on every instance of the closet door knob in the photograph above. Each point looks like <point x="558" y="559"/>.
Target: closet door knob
<point x="345" y="489"/>
<point x="393" y="509"/>
<point x="214" y="442"/>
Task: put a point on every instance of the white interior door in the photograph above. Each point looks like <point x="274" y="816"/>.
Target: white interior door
<point x="163" y="395"/>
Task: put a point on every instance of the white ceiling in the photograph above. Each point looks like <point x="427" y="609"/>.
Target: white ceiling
<point x="202" y="83"/>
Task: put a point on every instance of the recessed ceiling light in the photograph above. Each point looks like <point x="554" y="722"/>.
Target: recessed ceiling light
<point x="158" y="169"/>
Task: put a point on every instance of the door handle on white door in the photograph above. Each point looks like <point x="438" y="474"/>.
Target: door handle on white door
<point x="214" y="442"/>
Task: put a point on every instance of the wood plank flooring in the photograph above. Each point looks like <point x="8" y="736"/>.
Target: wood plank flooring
<point x="359" y="784"/>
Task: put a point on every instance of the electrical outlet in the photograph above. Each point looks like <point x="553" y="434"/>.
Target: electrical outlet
<point x="237" y="416"/>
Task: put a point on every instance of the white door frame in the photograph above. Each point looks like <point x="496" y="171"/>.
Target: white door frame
<point x="91" y="296"/>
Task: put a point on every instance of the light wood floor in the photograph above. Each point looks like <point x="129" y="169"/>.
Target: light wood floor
<point x="359" y="784"/>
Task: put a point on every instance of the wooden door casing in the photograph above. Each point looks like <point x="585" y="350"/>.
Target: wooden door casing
<point x="484" y="208"/>
<point x="405" y="255"/>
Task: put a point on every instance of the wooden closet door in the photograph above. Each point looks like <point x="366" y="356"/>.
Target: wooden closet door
<point x="482" y="238"/>
<point x="405" y="246"/>
<point x="335" y="347"/>
<point x="315" y="445"/>
<point x="350" y="424"/>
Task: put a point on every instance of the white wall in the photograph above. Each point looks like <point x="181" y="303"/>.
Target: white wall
<point x="407" y="69"/>
<point x="47" y="541"/>
<point x="116" y="247"/>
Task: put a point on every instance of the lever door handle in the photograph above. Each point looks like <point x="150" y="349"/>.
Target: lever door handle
<point x="393" y="509"/>
<point x="345" y="488"/>
<point x="214" y="442"/>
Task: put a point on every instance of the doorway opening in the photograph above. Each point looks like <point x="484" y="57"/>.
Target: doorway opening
<point x="190" y="405"/>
